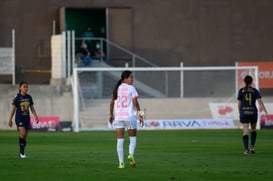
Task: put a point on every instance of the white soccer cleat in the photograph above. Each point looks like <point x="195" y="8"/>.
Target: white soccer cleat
<point x="22" y="155"/>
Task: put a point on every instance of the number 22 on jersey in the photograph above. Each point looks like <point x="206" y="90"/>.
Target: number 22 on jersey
<point x="122" y="102"/>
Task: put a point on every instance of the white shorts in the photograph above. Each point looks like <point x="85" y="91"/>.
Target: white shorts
<point x="125" y="124"/>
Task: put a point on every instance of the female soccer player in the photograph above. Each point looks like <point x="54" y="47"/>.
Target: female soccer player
<point x="247" y="97"/>
<point x="21" y="104"/>
<point x="124" y="109"/>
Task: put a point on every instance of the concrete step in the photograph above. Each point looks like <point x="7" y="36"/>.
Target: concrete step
<point x="97" y="111"/>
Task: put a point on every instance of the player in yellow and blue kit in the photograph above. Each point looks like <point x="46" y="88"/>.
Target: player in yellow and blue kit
<point x="21" y="104"/>
<point x="247" y="97"/>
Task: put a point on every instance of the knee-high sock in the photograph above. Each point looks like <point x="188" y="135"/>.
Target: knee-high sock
<point x="245" y="141"/>
<point x="120" y="142"/>
<point x="22" y="144"/>
<point x="132" y="145"/>
<point x="253" y="137"/>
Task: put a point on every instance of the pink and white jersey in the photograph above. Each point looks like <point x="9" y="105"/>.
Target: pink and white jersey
<point x="124" y="107"/>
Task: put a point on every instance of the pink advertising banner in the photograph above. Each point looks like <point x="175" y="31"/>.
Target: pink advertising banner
<point x="50" y="123"/>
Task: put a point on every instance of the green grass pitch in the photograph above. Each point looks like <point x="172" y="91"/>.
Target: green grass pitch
<point x="161" y="156"/>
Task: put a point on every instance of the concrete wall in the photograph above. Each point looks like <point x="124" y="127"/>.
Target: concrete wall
<point x="197" y="32"/>
<point x="47" y="102"/>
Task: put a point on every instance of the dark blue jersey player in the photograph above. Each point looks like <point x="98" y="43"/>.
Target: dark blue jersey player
<point x="248" y="111"/>
<point x="21" y="104"/>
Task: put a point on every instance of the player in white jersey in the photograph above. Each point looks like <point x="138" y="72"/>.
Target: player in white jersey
<point x="124" y="112"/>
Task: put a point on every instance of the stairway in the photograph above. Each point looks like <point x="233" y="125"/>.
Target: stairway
<point x="96" y="114"/>
<point x="143" y="88"/>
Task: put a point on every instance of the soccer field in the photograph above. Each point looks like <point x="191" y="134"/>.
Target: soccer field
<point x="160" y="155"/>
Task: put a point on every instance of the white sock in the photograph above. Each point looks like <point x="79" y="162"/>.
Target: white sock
<point x="120" y="142"/>
<point x="132" y="145"/>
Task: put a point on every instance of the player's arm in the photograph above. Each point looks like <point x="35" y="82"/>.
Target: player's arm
<point x="139" y="112"/>
<point x="261" y="103"/>
<point x="112" y="102"/>
<point x="136" y="104"/>
<point x="34" y="113"/>
<point x="239" y="105"/>
<point x="13" y="109"/>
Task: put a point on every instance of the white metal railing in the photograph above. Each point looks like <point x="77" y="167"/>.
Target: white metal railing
<point x="69" y="51"/>
<point x="109" y="43"/>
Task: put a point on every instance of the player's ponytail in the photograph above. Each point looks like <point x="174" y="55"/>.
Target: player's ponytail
<point x="125" y="74"/>
<point x="115" y="91"/>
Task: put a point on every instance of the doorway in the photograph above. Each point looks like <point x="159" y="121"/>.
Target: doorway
<point x="113" y="24"/>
